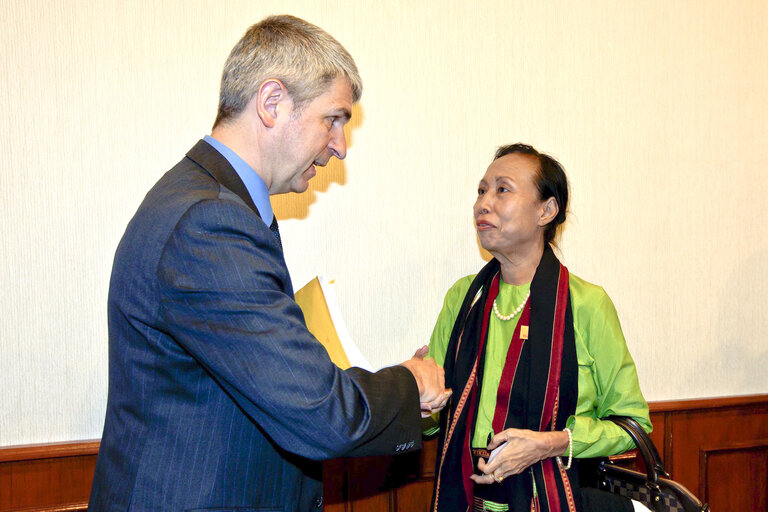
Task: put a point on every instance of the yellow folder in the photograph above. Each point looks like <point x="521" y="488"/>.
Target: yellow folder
<point x="311" y="300"/>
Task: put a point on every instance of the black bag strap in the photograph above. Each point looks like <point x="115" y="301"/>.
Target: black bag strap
<point x="653" y="465"/>
<point x="657" y="476"/>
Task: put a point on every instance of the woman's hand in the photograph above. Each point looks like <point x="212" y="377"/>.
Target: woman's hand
<point x="524" y="448"/>
<point x="436" y="405"/>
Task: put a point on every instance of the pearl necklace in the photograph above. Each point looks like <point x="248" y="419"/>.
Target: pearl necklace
<point x="513" y="314"/>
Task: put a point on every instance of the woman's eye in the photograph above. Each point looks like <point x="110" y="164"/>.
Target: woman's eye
<point x="480" y="191"/>
<point x="502" y="189"/>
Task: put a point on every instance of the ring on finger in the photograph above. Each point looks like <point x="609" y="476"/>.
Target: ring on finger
<point x="498" y="479"/>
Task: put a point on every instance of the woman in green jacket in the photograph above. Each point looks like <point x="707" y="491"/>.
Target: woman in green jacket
<point x="535" y="357"/>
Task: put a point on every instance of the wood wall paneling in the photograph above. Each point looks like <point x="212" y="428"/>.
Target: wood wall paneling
<point x="335" y="493"/>
<point x="723" y="470"/>
<point x="658" y="435"/>
<point x="53" y="477"/>
<point x="718" y="448"/>
<point x="723" y="434"/>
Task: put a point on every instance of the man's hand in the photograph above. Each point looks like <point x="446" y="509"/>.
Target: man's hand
<point x="430" y="379"/>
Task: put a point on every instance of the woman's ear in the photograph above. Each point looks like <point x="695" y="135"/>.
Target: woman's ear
<point x="549" y="210"/>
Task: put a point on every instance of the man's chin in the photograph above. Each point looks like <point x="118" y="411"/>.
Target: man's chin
<point x="301" y="184"/>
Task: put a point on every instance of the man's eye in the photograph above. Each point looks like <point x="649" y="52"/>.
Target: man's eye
<point x="480" y="191"/>
<point x="502" y="189"/>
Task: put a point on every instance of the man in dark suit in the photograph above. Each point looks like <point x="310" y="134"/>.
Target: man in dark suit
<point x="219" y="397"/>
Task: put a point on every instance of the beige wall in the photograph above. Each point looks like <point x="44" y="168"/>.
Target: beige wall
<point x="657" y="109"/>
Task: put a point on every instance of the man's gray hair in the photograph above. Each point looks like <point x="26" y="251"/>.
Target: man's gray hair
<point x="304" y="57"/>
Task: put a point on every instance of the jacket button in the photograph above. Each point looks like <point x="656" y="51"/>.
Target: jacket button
<point x="319" y="502"/>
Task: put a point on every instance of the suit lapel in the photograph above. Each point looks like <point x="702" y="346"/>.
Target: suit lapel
<point x="204" y="155"/>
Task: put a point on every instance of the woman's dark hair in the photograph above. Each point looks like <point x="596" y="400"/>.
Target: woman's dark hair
<point x="550" y="180"/>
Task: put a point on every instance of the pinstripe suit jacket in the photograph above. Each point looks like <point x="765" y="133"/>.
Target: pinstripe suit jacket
<point x="219" y="397"/>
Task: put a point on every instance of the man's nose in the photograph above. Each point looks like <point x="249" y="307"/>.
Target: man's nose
<point x="338" y="144"/>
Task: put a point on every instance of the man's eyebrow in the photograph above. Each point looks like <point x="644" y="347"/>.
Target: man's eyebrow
<point x="340" y="110"/>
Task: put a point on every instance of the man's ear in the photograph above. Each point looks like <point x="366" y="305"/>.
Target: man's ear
<point x="271" y="101"/>
<point x="549" y="211"/>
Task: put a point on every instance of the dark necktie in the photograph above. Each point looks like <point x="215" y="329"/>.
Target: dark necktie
<point x="276" y="231"/>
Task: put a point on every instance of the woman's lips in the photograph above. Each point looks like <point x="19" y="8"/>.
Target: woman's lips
<point x="484" y="226"/>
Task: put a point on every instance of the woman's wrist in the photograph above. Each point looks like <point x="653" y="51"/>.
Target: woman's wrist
<point x="559" y="442"/>
<point x="556" y="443"/>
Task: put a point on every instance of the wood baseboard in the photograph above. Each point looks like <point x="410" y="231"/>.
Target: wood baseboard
<point x="71" y="507"/>
<point x="52" y="477"/>
<point x="717" y="447"/>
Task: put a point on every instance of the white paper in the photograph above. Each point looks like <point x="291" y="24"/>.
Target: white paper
<point x="496" y="451"/>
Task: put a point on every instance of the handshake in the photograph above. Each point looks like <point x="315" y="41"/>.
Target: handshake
<point x="430" y="379"/>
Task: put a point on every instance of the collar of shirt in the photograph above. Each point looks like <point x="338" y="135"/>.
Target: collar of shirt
<point x="252" y="181"/>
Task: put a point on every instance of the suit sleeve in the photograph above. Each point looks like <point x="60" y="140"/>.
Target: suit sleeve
<point x="223" y="299"/>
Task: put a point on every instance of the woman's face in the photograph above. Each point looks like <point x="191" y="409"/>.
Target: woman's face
<point x="508" y="211"/>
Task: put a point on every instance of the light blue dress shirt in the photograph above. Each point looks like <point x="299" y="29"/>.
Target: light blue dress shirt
<point x="253" y="182"/>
